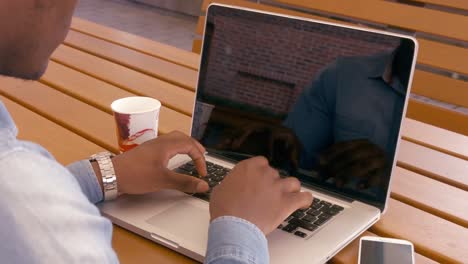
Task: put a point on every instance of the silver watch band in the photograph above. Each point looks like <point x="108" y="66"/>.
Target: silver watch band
<point x="109" y="180"/>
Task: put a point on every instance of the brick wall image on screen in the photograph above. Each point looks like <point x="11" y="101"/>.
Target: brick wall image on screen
<point x="252" y="54"/>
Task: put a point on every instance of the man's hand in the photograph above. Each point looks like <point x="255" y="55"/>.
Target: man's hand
<point x="255" y="192"/>
<point x="144" y="168"/>
<point x="359" y="160"/>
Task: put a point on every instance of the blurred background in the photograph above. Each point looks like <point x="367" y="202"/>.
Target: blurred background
<point x="168" y="21"/>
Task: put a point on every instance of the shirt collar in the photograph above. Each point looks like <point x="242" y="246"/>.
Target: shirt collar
<point x="378" y="63"/>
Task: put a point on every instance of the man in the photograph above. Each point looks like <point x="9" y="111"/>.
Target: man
<point x="353" y="110"/>
<point x="47" y="210"/>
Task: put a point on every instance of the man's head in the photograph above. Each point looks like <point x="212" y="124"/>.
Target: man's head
<point x="30" y="30"/>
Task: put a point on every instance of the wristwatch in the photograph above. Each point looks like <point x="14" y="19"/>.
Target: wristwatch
<point x="109" y="180"/>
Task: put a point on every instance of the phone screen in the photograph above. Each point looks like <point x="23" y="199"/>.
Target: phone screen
<point x="376" y="252"/>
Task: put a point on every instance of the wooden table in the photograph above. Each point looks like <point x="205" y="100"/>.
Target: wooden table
<point x="68" y="112"/>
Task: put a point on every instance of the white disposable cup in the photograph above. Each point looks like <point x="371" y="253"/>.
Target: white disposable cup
<point x="136" y="120"/>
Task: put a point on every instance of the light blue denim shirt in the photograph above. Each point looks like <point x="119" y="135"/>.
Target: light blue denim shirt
<point x="48" y="215"/>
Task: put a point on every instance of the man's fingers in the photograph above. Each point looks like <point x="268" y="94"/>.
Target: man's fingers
<point x="257" y="161"/>
<point x="298" y="200"/>
<point x="183" y="144"/>
<point x="199" y="146"/>
<point x="290" y="185"/>
<point x="186" y="183"/>
<point x="200" y="164"/>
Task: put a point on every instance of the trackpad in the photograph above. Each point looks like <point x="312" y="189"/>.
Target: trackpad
<point x="187" y="223"/>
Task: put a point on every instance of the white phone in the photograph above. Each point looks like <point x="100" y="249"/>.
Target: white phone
<point x="380" y="250"/>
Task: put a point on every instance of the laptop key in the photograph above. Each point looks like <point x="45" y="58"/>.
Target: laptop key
<point x="324" y="208"/>
<point x="212" y="183"/>
<point x="324" y="216"/>
<point x="300" y="234"/>
<point x="298" y="214"/>
<point x="313" y="212"/>
<point x="187" y="166"/>
<point x="309" y="226"/>
<point x="309" y="218"/>
<point x="304" y="224"/>
<point x="320" y="221"/>
<point x="332" y="212"/>
<point x="289" y="228"/>
<point x="316" y="206"/>
<point x="337" y="207"/>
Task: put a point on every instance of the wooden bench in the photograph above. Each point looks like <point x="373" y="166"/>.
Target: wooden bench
<point x="442" y="70"/>
<point x="68" y="112"/>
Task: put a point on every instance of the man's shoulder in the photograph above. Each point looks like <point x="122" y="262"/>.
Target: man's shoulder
<point x="363" y="63"/>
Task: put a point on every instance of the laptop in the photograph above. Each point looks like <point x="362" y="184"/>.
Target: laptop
<point x="323" y="102"/>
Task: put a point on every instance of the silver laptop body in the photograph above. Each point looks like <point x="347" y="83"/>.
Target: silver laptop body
<point x="180" y="221"/>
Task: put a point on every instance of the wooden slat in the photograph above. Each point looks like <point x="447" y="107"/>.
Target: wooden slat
<point x="443" y="56"/>
<point x="441" y="88"/>
<point x="435" y="138"/>
<point x="432" y="236"/>
<point x="137" y="43"/>
<point x="200" y="25"/>
<point x="418" y="191"/>
<point x="390" y="13"/>
<point x="457" y="4"/>
<point x="434" y="164"/>
<point x="244" y="3"/>
<point x="63" y="144"/>
<point x="350" y="253"/>
<point x="197" y="45"/>
<point x="438" y="116"/>
<point x="86" y="121"/>
<point x="101" y="94"/>
<point x="170" y="95"/>
<point x="263" y="7"/>
<point x="161" y="69"/>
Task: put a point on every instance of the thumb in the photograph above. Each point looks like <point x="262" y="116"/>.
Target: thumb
<point x="186" y="183"/>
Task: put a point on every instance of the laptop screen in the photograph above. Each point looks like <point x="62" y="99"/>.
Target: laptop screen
<point x="323" y="103"/>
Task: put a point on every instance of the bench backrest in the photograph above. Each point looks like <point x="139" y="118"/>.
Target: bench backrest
<point x="441" y="27"/>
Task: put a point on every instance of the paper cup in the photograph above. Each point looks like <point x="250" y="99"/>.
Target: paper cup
<point x="136" y="120"/>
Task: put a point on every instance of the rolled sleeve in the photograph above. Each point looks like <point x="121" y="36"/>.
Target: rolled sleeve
<point x="237" y="241"/>
<point x="84" y="174"/>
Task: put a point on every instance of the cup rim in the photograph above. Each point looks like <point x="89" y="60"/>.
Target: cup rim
<point x="116" y="104"/>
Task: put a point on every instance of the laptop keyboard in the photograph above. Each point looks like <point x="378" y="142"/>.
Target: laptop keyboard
<point x="304" y="222"/>
<point x="215" y="174"/>
<point x="301" y="223"/>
